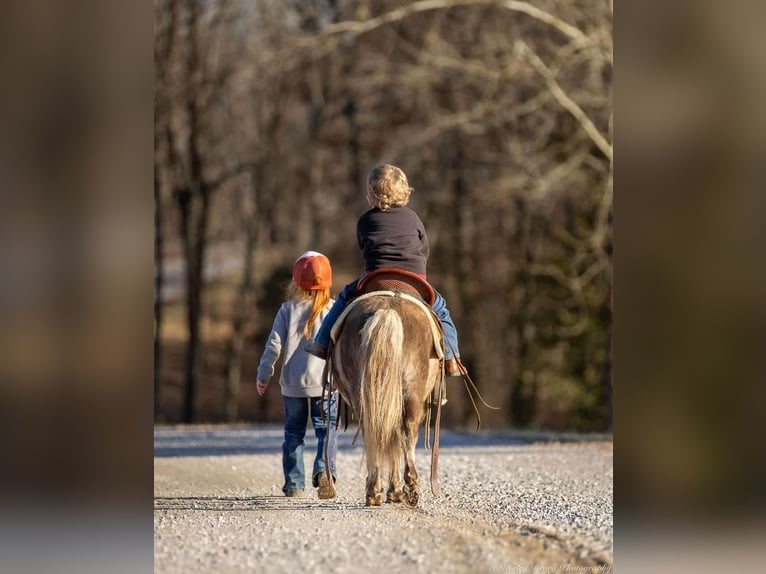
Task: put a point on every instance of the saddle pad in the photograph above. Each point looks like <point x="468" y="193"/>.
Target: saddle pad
<point x="427" y="310"/>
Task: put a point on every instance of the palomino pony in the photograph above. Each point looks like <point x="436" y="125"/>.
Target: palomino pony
<point x="385" y="366"/>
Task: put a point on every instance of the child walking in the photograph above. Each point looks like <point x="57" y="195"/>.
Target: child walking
<point x="297" y="320"/>
<point x="390" y="235"/>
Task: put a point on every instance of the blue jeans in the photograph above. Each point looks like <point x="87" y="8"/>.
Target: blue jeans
<point x="297" y="412"/>
<point x="348" y="293"/>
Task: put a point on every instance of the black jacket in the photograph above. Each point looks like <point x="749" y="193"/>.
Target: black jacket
<point x="395" y="237"/>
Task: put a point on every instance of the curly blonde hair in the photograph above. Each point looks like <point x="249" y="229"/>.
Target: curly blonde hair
<point x="388" y="187"/>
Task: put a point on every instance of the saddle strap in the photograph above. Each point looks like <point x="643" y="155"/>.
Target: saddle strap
<point x="435" y="489"/>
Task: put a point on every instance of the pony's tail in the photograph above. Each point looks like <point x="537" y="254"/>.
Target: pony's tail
<point x="381" y="401"/>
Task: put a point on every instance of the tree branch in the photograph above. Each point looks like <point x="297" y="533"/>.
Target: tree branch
<point x="564" y="100"/>
<point x="357" y="28"/>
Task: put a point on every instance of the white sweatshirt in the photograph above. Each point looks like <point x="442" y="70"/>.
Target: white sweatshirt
<point x="301" y="374"/>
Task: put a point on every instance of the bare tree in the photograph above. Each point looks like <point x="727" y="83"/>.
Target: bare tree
<point x="197" y="78"/>
<point x="500" y="114"/>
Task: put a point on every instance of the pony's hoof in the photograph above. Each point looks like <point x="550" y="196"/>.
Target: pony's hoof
<point x="325" y="487"/>
<point x="394" y="496"/>
<point x="375" y="500"/>
<point x="411" y="496"/>
<point x="326" y="491"/>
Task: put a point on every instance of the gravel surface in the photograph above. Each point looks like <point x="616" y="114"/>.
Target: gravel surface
<point x="508" y="504"/>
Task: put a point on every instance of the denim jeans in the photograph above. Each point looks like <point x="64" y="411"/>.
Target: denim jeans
<point x="344" y="298"/>
<point x="297" y="412"/>
<point x="349" y="293"/>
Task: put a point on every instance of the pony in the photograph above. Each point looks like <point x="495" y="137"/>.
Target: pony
<point x="385" y="365"/>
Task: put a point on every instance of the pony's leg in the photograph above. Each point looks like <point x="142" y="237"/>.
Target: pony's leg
<point x="411" y="487"/>
<point x="394" y="493"/>
<point x="374" y="485"/>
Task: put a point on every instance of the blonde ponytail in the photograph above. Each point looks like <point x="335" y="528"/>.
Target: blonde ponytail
<point x="319" y="299"/>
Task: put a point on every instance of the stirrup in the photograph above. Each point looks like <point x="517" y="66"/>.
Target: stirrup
<point x="434" y="400"/>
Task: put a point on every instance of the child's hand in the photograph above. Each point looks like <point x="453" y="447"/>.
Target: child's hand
<point x="261" y="386"/>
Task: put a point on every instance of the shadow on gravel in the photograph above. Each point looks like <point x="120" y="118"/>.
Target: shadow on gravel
<point x="222" y="441"/>
<point x="243" y="504"/>
<point x="179" y="441"/>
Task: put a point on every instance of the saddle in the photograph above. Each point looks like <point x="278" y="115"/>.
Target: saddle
<point x="396" y="283"/>
<point x="391" y="279"/>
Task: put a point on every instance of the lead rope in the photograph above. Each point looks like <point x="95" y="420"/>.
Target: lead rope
<point x="435" y="490"/>
<point x="436" y="399"/>
<point x="466" y="378"/>
<point x="432" y="399"/>
<point x="327" y="414"/>
<point x="428" y="424"/>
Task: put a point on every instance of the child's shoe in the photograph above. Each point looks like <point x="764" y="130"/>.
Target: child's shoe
<point x="452" y="367"/>
<point x="295" y="493"/>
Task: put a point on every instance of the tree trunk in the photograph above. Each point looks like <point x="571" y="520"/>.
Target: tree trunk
<point x="183" y="197"/>
<point x="313" y="233"/>
<point x="242" y="308"/>
<point x="354" y="147"/>
<point x="194" y="243"/>
<point x="523" y="391"/>
<point x="195" y="235"/>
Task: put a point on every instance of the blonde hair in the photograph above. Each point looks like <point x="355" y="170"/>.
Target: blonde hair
<point x="388" y="186"/>
<point x="319" y="299"/>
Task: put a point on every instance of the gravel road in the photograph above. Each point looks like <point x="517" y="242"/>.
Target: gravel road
<point x="508" y="504"/>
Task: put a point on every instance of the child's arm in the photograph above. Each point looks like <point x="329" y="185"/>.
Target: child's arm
<point x="271" y="351"/>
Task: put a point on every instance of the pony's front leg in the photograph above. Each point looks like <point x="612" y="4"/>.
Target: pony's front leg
<point x="374" y="486"/>
<point x="411" y="488"/>
<point x="394" y="493"/>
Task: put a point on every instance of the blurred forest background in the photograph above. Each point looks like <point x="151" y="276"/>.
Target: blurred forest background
<point x="270" y="113"/>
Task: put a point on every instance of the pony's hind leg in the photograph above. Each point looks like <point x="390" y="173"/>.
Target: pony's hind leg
<point x="394" y="493"/>
<point x="411" y="488"/>
<point x="374" y="486"/>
